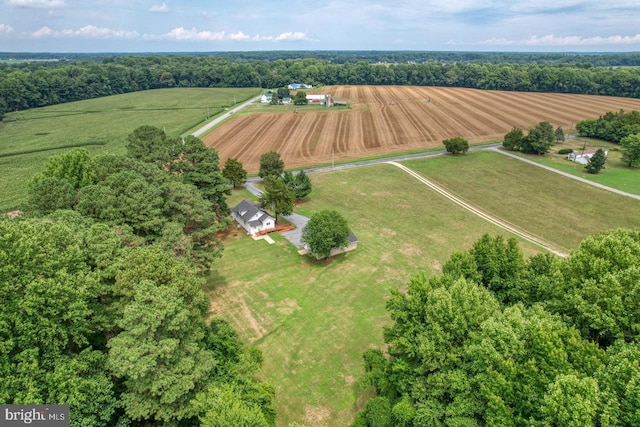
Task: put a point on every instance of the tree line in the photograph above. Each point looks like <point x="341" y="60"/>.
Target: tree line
<point x="498" y="339"/>
<point x="37" y="84"/>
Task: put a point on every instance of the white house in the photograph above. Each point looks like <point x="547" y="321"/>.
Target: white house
<point x="252" y="218"/>
<point x="584" y="158"/>
<point x="266" y="98"/>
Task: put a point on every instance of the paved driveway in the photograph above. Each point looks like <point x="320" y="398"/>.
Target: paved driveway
<point x="295" y="235"/>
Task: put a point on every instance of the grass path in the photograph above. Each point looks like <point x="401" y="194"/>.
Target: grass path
<point x="539" y="241"/>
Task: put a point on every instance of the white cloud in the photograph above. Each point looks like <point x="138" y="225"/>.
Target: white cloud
<point x="192" y="34"/>
<point x="288" y="36"/>
<point x="553" y="40"/>
<point x="88" y="31"/>
<point x="159" y="8"/>
<point x="5" y="29"/>
<point x="239" y="36"/>
<point x="43" y="32"/>
<point x="40" y="4"/>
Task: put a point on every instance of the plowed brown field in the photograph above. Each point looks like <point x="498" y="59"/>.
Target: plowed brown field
<point x="395" y="119"/>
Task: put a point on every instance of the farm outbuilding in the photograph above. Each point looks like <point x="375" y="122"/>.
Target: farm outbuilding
<point x="583" y="158"/>
<point x="320" y="99"/>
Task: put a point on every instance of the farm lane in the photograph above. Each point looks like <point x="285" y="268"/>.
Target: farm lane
<point x="224" y="116"/>
<point x="568" y="175"/>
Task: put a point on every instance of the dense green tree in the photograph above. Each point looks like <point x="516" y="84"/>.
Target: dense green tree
<point x="539" y="139"/>
<point x="618" y="380"/>
<point x="234" y="172"/>
<point x="457" y="145"/>
<point x="200" y="166"/>
<point x="271" y="164"/>
<point x="599" y="289"/>
<point x="571" y="401"/>
<point x="299" y="183"/>
<point x="630" y="147"/>
<point x="377" y="412"/>
<point x="50" y="322"/>
<point x="596" y="162"/>
<point x="493" y="263"/>
<point x="225" y="407"/>
<point x="513" y="139"/>
<point x="325" y="230"/>
<point x="277" y="197"/>
<point x="150" y="144"/>
<point x="283" y="92"/>
<point x="76" y="167"/>
<point x="300" y="98"/>
<point x="611" y="126"/>
<point x="49" y="194"/>
<point x="159" y="354"/>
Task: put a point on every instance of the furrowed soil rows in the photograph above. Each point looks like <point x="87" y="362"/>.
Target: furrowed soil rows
<point x="396" y="119"/>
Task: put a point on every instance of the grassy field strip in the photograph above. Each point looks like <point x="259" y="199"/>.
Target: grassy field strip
<point x="551" y="247"/>
<point x="568" y="175"/>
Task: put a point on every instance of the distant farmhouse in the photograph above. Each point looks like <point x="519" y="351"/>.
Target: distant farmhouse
<point x="312" y="99"/>
<point x="584" y="158"/>
<point x="266" y="98"/>
<point x="253" y="219"/>
<point x="296" y="86"/>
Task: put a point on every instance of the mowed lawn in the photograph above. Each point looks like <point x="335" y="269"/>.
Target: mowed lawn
<point x="544" y="203"/>
<point x="615" y="174"/>
<point x="313" y="320"/>
<point x="28" y="138"/>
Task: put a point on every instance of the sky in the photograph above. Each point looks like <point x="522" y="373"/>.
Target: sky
<point x="256" y="25"/>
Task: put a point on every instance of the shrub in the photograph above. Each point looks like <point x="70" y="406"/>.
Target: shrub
<point x="565" y="151"/>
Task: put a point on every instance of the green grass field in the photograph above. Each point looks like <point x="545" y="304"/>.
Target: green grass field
<point x="553" y="207"/>
<point x="313" y="320"/>
<point x="28" y="138"/>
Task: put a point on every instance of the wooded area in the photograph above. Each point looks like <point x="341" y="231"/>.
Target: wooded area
<point x="502" y="340"/>
<point x="103" y="307"/>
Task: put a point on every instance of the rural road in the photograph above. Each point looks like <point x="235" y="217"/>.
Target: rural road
<point x="224" y="116"/>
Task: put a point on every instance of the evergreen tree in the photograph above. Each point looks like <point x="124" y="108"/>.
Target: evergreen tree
<point x="596" y="162"/>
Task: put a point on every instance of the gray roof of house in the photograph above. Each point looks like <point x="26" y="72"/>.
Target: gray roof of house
<point x="250" y="210"/>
